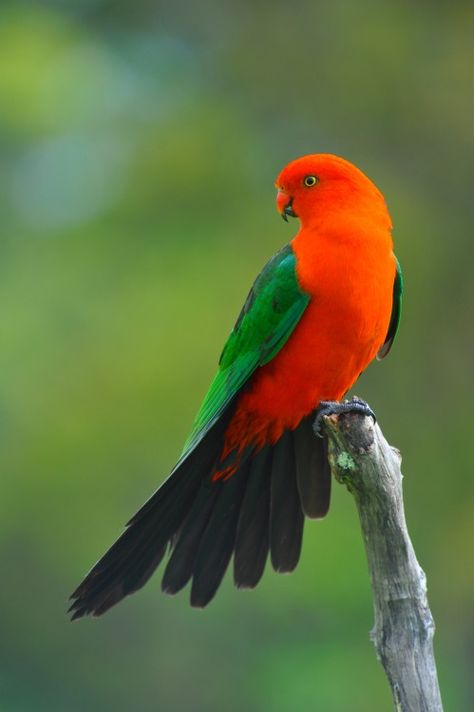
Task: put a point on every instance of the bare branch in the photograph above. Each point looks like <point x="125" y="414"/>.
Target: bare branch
<point x="362" y="459"/>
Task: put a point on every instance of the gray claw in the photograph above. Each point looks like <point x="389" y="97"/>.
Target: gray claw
<point x="326" y="408"/>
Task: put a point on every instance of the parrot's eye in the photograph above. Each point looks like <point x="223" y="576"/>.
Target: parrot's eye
<point x="309" y="181"/>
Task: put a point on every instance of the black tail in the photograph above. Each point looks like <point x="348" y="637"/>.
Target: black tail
<point x="260" y="508"/>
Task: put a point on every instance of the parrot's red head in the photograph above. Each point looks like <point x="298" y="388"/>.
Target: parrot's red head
<point x="321" y="187"/>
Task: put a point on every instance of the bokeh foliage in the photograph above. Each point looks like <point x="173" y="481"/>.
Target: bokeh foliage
<point x="140" y="142"/>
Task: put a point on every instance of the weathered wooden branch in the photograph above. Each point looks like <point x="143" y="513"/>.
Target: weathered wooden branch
<point x="362" y="459"/>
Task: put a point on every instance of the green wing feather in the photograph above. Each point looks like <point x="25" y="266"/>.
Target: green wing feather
<point x="396" y="313"/>
<point x="272" y="309"/>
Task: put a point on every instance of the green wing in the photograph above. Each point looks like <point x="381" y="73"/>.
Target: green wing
<point x="272" y="310"/>
<point x="396" y="313"/>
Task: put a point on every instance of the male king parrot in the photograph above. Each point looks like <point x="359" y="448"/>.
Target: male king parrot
<point x="322" y="308"/>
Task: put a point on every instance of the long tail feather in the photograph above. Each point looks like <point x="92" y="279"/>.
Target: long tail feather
<point x="217" y="542"/>
<point x="132" y="559"/>
<point x="252" y="540"/>
<point x="312" y="469"/>
<point x="180" y="566"/>
<point x="286" y="514"/>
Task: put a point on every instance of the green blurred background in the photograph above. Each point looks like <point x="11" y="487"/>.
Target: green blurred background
<point x="140" y="142"/>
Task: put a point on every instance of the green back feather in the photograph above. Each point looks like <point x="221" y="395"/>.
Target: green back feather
<point x="270" y="313"/>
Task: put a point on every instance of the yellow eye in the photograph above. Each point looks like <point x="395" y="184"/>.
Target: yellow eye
<point x="309" y="181"/>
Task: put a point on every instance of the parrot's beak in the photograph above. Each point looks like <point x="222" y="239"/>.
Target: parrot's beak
<point x="285" y="205"/>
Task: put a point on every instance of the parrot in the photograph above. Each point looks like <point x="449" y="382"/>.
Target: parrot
<point x="255" y="464"/>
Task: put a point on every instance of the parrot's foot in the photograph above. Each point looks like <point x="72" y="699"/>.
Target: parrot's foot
<point x="325" y="408"/>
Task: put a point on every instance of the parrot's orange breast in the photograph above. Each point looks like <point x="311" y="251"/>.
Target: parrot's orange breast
<point x="350" y="282"/>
